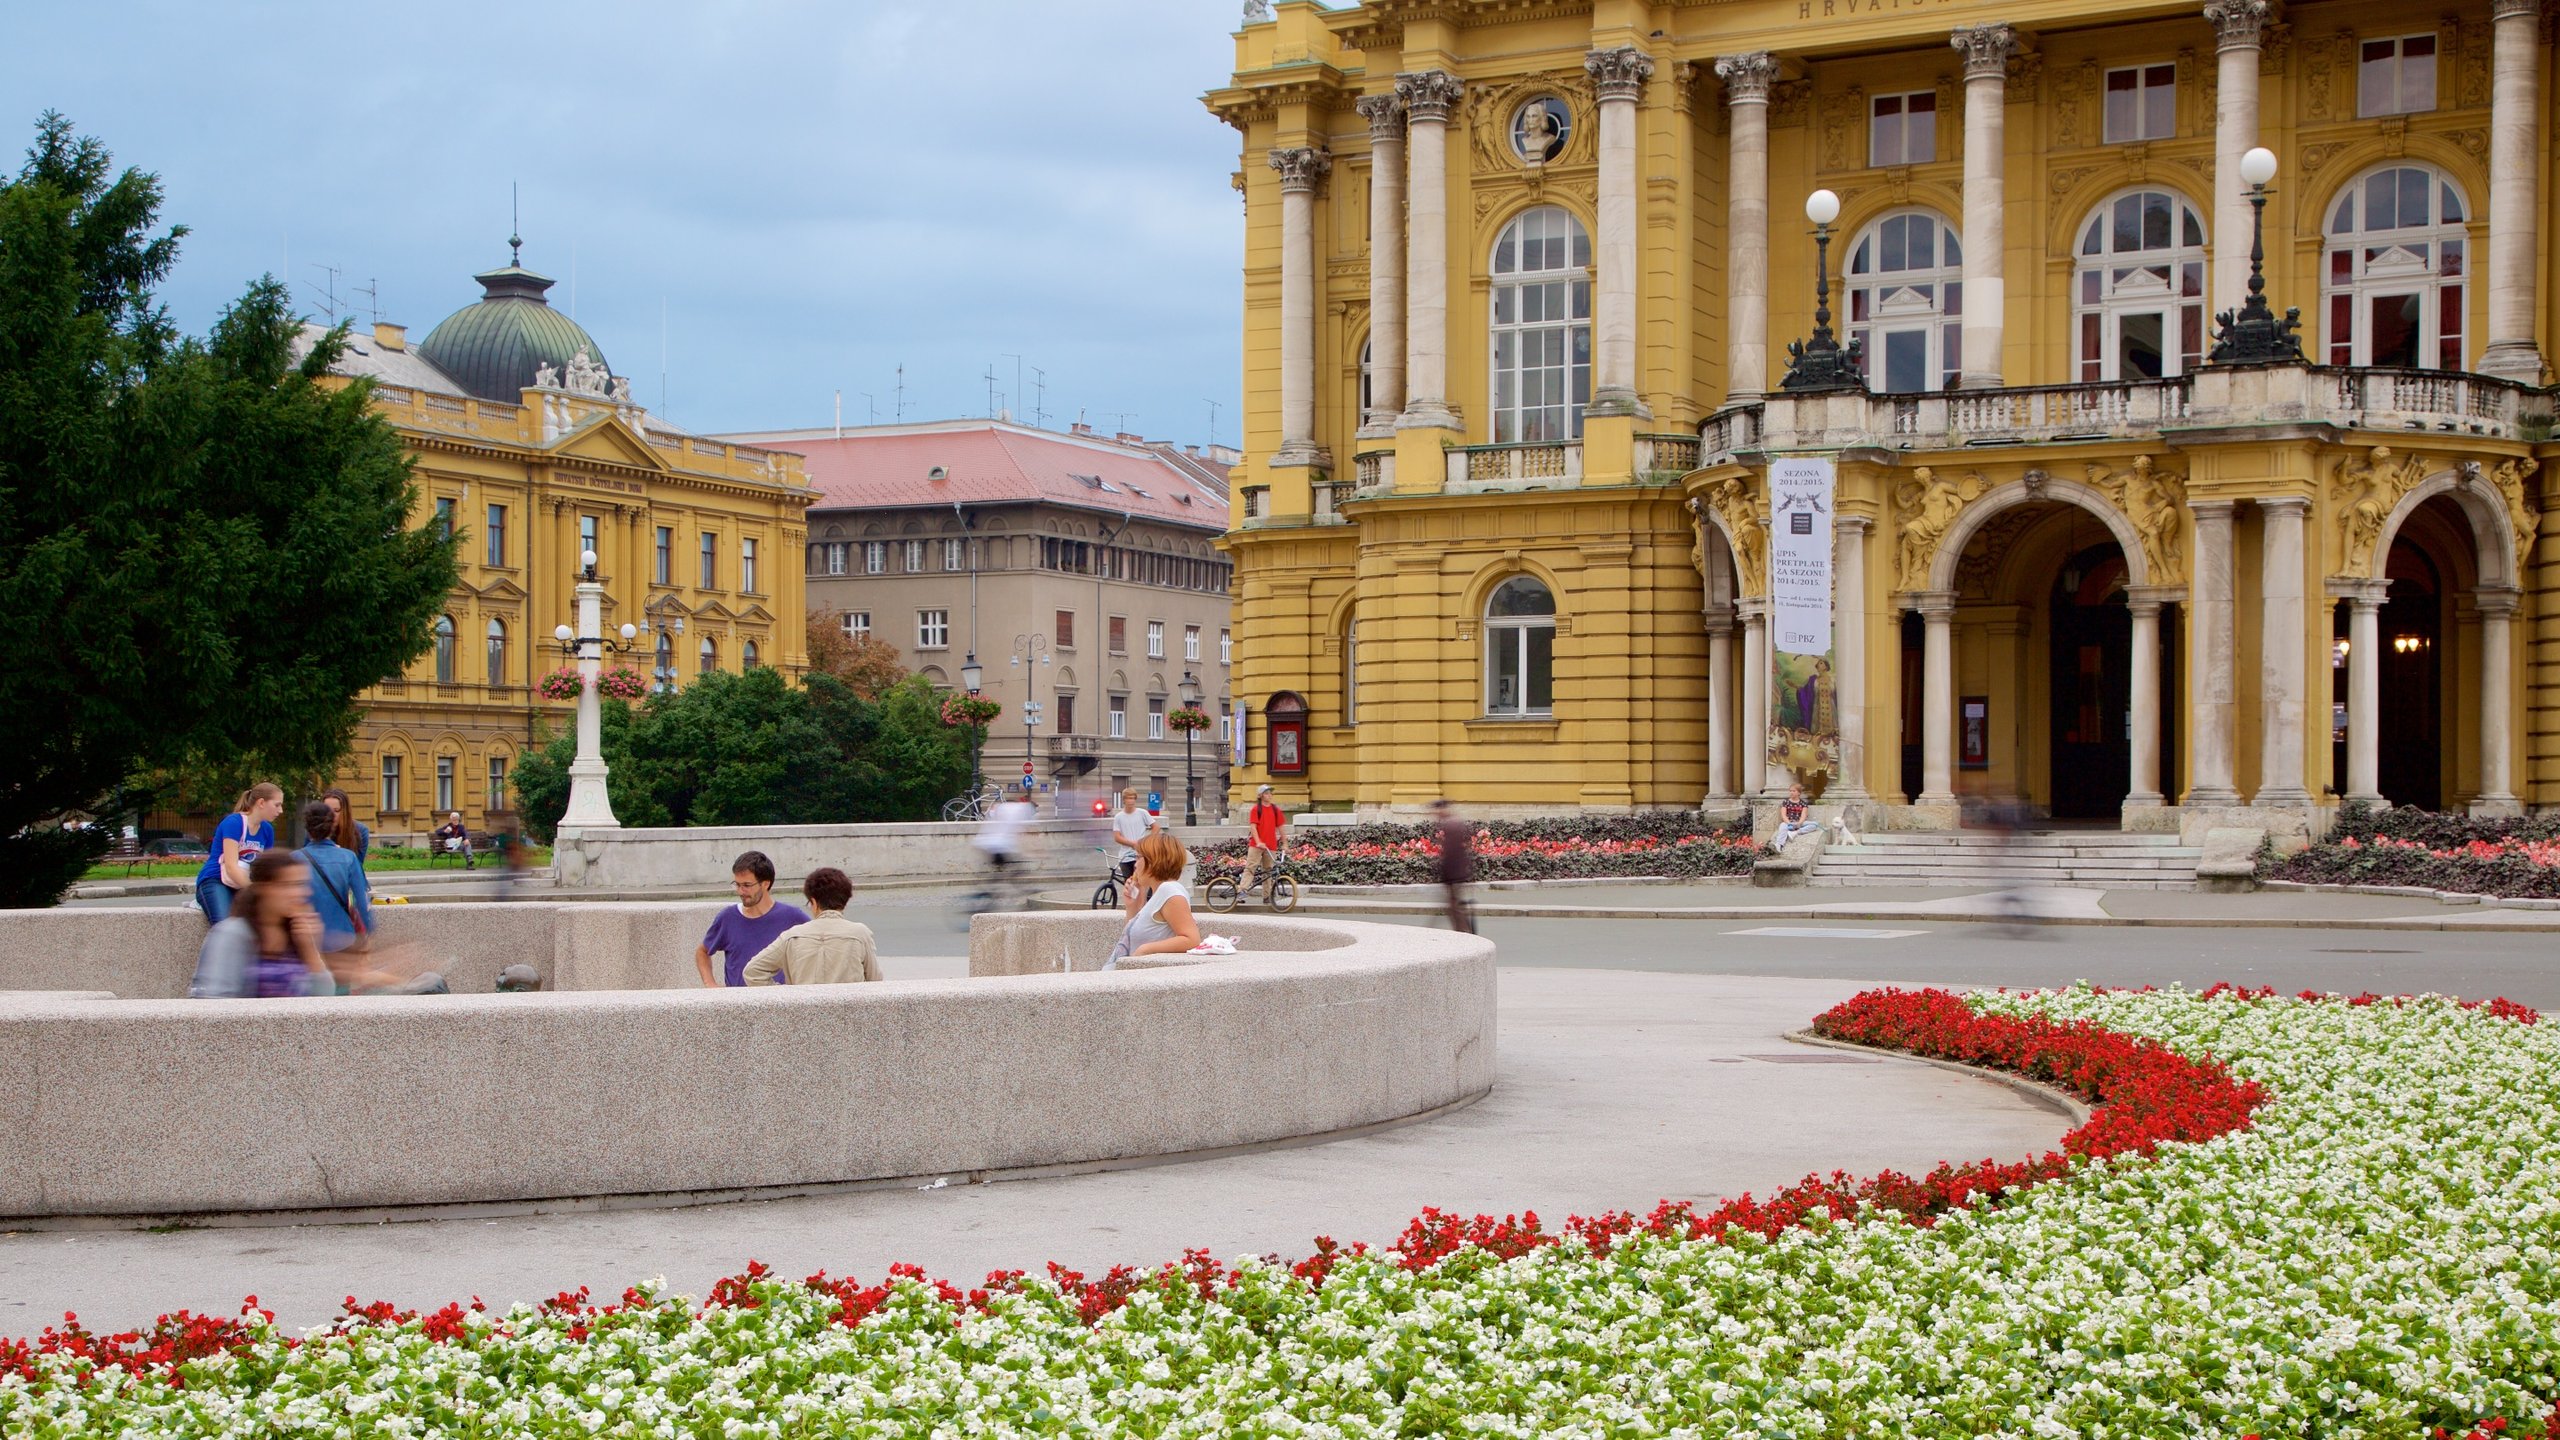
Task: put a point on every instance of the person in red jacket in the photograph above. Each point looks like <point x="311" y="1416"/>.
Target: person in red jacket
<point x="1265" y="826"/>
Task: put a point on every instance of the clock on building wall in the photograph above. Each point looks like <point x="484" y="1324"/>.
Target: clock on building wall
<point x="1539" y="129"/>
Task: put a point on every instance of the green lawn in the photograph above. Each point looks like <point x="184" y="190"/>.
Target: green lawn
<point x="381" y="861"/>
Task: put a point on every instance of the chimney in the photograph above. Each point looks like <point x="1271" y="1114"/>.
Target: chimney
<point x="390" y="336"/>
<point x="1079" y="428"/>
<point x="1191" y="450"/>
<point x="1125" y="438"/>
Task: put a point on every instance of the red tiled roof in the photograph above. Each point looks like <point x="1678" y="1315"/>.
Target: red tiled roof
<point x="985" y="462"/>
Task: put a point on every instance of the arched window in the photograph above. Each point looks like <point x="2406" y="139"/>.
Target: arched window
<point x="444" y="649"/>
<point x="497" y="652"/>
<point x="710" y="657"/>
<point x="2139" y="297"/>
<point x="665" y="668"/>
<point x="2398" y="262"/>
<point x="747" y="659"/>
<point x="1350" y="669"/>
<point x="1366" y="402"/>
<point x="1541" y="328"/>
<point x="1906" y="292"/>
<point x="1520" y="649"/>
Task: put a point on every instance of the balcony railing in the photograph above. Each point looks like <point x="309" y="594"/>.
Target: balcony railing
<point x="2442" y="400"/>
<point x="1666" y="454"/>
<point x="1493" y="466"/>
<point x="1727" y="431"/>
<point x="2044" y="412"/>
<point x="1374" y="472"/>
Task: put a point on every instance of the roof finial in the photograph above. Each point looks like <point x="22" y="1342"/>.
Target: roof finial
<point x="515" y="228"/>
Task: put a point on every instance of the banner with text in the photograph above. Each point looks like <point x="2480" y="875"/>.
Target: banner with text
<point x="1804" y="716"/>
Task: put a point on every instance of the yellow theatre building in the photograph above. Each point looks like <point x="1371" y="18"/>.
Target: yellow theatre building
<point x="530" y="449"/>
<point x="1521" y="282"/>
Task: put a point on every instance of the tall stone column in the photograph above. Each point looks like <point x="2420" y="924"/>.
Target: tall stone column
<point x="1430" y="97"/>
<point x="2142" y="781"/>
<point x="1986" y="50"/>
<point x="1301" y="170"/>
<point x="1720" y="705"/>
<point x="1753" y="775"/>
<point x="1937" y="697"/>
<point x="2515" y="99"/>
<point x="1617" y="77"/>
<point x="2364" y="687"/>
<point x="2239" y="28"/>
<point x="2282" y="621"/>
<point x="2211" y="653"/>
<point x="1849" y="654"/>
<point x="2499" y="719"/>
<point x="1385" y="114"/>
<point x="1747" y="79"/>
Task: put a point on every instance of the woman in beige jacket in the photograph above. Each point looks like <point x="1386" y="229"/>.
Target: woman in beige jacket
<point x="829" y="950"/>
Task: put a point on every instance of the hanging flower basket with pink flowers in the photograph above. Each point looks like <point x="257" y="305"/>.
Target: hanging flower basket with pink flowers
<point x="1188" y="718"/>
<point x="562" y="685"/>
<point x="621" y="683"/>
<point x="970" y="710"/>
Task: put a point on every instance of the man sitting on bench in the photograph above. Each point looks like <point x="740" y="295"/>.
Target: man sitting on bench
<point x="452" y="839"/>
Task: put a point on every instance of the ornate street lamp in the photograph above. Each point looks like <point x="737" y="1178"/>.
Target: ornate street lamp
<point x="1190" y="777"/>
<point x="972" y="675"/>
<point x="2252" y="335"/>
<point x="589" y="806"/>
<point x="1822" y="363"/>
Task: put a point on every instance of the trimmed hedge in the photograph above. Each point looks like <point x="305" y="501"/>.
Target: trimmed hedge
<point x="2403" y="845"/>
<point x="1657" y="843"/>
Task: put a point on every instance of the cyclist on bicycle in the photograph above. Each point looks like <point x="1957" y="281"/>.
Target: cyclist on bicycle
<point x="1266" y="827"/>
<point x="1001" y="835"/>
<point x="1130" y="826"/>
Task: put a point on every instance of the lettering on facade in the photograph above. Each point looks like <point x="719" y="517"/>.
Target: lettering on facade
<point x="1844" y="9"/>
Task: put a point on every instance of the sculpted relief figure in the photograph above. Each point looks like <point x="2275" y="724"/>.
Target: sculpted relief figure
<point x="621" y="389"/>
<point x="2512" y="479"/>
<point x="586" y="377"/>
<point x="2155" y="502"/>
<point x="2365" y="490"/>
<point x="1733" y="500"/>
<point x="1928" y="504"/>
<point x="546" y="377"/>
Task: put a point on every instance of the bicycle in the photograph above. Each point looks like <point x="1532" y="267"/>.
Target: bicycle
<point x="1005" y="890"/>
<point x="1106" y="896"/>
<point x="974" y="805"/>
<point x="1279" y="888"/>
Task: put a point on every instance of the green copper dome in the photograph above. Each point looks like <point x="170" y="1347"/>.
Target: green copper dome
<point x="492" y="348"/>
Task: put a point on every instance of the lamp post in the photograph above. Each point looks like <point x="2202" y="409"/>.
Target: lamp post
<point x="590" y="808"/>
<point x="1190" y="778"/>
<point x="1035" y="649"/>
<point x="972" y="675"/>
<point x="2252" y="335"/>
<point x="1822" y="363"/>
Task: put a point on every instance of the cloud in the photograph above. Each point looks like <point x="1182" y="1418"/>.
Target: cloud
<point x="812" y="194"/>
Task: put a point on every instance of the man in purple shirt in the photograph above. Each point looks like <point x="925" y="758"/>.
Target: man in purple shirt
<point x="741" y="932"/>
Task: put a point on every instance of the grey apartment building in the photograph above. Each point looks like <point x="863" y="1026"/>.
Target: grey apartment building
<point x="1077" y="570"/>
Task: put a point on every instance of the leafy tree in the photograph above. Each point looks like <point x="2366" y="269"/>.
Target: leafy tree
<point x="207" y="539"/>
<point x="870" y="666"/>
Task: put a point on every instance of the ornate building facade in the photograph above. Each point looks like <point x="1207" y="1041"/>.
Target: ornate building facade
<point x="1520" y="278"/>
<point x="530" y="450"/>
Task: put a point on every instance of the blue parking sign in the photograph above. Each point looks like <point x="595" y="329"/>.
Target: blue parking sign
<point x="1155" y="800"/>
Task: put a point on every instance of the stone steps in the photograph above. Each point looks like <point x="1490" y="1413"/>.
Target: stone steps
<point x="2094" y="859"/>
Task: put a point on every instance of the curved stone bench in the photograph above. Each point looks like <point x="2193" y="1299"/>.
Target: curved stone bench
<point x="150" y="1106"/>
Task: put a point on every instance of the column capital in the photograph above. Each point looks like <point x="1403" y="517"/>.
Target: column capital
<point x="1747" y="78"/>
<point x="1986" y="50"/>
<point x="2294" y="505"/>
<point x="2239" y="24"/>
<point x="2514" y="9"/>
<point x="1618" y="74"/>
<point x="2152" y="597"/>
<point x="2364" y="594"/>
<point x="1385" y="114"/>
<point x="1857" y="525"/>
<point x="2212" y="509"/>
<point x="1430" y="94"/>
<point x="1933" y="604"/>
<point x="2497" y="601"/>
<point x="1302" y="168"/>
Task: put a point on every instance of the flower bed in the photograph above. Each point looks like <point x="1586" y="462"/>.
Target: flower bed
<point x="2290" y="1216"/>
<point x="1669" y="843"/>
<point x="2515" y="856"/>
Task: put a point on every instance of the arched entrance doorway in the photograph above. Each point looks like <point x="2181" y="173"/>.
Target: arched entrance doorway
<point x="2091" y="692"/>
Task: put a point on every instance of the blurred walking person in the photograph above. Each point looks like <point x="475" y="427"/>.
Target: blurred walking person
<point x="1457" y="863"/>
<point x="267" y="945"/>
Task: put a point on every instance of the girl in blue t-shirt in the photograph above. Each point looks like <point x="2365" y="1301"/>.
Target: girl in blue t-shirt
<point x="246" y="833"/>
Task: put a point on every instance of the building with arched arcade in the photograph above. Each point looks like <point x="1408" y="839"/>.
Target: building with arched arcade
<point x="1520" y="283"/>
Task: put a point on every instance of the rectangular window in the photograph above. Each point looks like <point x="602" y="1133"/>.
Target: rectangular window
<point x="933" y="629"/>
<point x="1066" y="629"/>
<point x="1351" y="673"/>
<point x="915" y="557"/>
<point x="1903" y="129"/>
<point x="875" y="557"/>
<point x="1119" y="634"/>
<point x="444" y="519"/>
<point x="1155" y="718"/>
<point x="710" y="561"/>
<point x="2397" y="77"/>
<point x="1190" y="642"/>
<point x="498" y="783"/>
<point x="587" y="535"/>
<point x="747" y="566"/>
<point x="665" y="571"/>
<point x="391" y="785"/>
<point x="497" y="554"/>
<point x="835" y="557"/>
<point x="1226" y="648"/>
<point x="857" y="625"/>
<point x="444" y="784"/>
<point x="952" y="558"/>
<point x="1119" y="719"/>
<point x="1066" y="713"/>
<point x="2142" y="103"/>
<point x="1155" y="639"/>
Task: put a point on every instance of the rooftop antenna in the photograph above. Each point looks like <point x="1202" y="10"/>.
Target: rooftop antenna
<point x="1213" y="422"/>
<point x="371" y="290"/>
<point x="1120" y="421"/>
<point x="662" y="354"/>
<point x="839" y="414"/>
<point x="991" y="389"/>
<point x="902" y="395"/>
<point x="872" y="404"/>
<point x="1016" y="396"/>
<point x="1040" y="400"/>
<point x="515" y="228"/>
<point x="329" y="293"/>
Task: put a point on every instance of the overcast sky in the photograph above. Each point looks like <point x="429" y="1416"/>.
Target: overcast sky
<point x="815" y="191"/>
